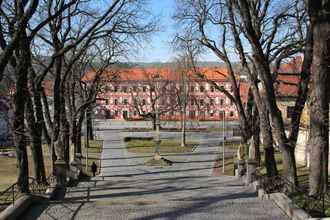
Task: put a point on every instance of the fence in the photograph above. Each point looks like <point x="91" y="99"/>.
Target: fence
<point x="12" y="193"/>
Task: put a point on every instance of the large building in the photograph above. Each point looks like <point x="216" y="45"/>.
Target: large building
<point x="135" y="93"/>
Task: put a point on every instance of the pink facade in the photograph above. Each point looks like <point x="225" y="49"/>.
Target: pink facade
<point x="204" y="101"/>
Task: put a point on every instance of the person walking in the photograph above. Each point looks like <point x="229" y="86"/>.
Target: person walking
<point x="94" y="168"/>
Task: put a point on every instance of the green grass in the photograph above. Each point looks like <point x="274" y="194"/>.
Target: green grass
<point x="302" y="171"/>
<point x="8" y="168"/>
<point x="166" y="146"/>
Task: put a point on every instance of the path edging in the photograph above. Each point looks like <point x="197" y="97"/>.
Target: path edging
<point x="15" y="210"/>
<point x="284" y="203"/>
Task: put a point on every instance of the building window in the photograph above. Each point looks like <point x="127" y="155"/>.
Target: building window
<point x="231" y="88"/>
<point x="231" y="113"/>
<point x="116" y="113"/>
<point x="152" y="88"/>
<point x="135" y="113"/>
<point x="124" y="89"/>
<point x="192" y="88"/>
<point x="116" y="102"/>
<point x="192" y="114"/>
<point x="115" y="89"/>
<point x="201" y="102"/>
<point x="125" y="102"/>
<point x="107" y="101"/>
<point x="143" y="101"/>
<point x="222" y="102"/>
<point x="222" y="87"/>
<point x="212" y="113"/>
<point x="134" y="88"/>
<point x="125" y="114"/>
<point x="201" y="88"/>
<point x="144" y="88"/>
<point x="212" y="89"/>
<point x="212" y="101"/>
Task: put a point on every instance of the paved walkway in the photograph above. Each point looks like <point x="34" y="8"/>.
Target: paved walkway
<point x="128" y="190"/>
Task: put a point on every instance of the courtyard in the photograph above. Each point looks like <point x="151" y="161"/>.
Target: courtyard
<point x="126" y="189"/>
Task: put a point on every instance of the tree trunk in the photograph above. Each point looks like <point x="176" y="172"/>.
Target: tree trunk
<point x="268" y="144"/>
<point x="64" y="128"/>
<point x="266" y="130"/>
<point x="183" y="127"/>
<point x="35" y="132"/>
<point x="289" y="164"/>
<point x="154" y="126"/>
<point x="90" y="123"/>
<point x="21" y="73"/>
<point x="256" y="134"/>
<point x="78" y="133"/>
<point x="319" y="97"/>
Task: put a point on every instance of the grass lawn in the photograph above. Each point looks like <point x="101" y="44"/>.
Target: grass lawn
<point x="230" y="154"/>
<point x="8" y="168"/>
<point x="302" y="171"/>
<point x="166" y="146"/>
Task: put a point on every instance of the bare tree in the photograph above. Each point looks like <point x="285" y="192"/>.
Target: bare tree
<point x="155" y="95"/>
<point x="185" y="68"/>
<point x="319" y="12"/>
<point x="199" y="18"/>
<point x="273" y="36"/>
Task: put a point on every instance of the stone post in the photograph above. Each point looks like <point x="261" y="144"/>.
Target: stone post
<point x="251" y="171"/>
<point x="60" y="172"/>
<point x="240" y="168"/>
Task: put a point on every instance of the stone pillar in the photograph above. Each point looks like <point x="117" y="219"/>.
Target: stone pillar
<point x="60" y="172"/>
<point x="251" y="171"/>
<point x="241" y="168"/>
<point x="75" y="167"/>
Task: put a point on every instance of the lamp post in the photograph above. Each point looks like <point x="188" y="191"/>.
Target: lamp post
<point x="86" y="142"/>
<point x="157" y="139"/>
<point x="223" y="141"/>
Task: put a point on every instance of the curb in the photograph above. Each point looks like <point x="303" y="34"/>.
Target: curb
<point x="14" y="211"/>
<point x="284" y="203"/>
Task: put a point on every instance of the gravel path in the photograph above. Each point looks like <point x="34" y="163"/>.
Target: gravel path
<point x="128" y="190"/>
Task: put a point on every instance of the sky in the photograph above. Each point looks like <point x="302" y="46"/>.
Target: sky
<point x="159" y="48"/>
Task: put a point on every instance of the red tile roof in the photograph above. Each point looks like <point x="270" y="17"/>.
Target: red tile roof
<point x="287" y="82"/>
<point x="287" y="85"/>
<point x="144" y="74"/>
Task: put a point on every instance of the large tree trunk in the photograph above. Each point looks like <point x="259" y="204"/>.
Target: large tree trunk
<point x="48" y="129"/>
<point x="64" y="128"/>
<point x="35" y="132"/>
<point x="21" y="73"/>
<point x="268" y="144"/>
<point x="261" y="64"/>
<point x="90" y="123"/>
<point x="319" y="98"/>
<point x="266" y="130"/>
<point x="57" y="139"/>
<point x="256" y="134"/>
<point x="78" y="133"/>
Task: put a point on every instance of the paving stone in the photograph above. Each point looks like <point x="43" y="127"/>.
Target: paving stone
<point x="186" y="190"/>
